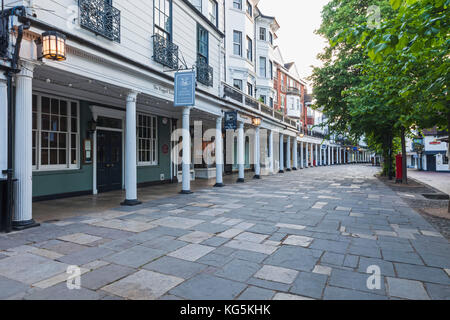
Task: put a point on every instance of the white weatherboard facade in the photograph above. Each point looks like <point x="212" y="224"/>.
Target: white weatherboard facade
<point x="103" y="118"/>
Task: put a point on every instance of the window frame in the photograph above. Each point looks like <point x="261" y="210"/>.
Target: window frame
<point x="262" y="37"/>
<point x="249" y="49"/>
<point x="38" y="166"/>
<point x="249" y="89"/>
<point x="199" y="54"/>
<point x="196" y="6"/>
<point x="240" y="82"/>
<point x="265" y="67"/>
<point x="216" y="22"/>
<point x="153" y="162"/>
<point x="239" y="33"/>
<point x="156" y="27"/>
<point x="249" y="10"/>
<point x="237" y="4"/>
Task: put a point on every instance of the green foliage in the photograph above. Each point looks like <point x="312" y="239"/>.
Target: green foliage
<point x="376" y="81"/>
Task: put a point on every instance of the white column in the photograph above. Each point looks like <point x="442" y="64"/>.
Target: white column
<point x="219" y="153"/>
<point x="23" y="159"/>
<point x="329" y="155"/>
<point x="130" y="152"/>
<point x="302" y="163"/>
<point x="241" y="152"/>
<point x="312" y="155"/>
<point x="281" y="153"/>
<point x="317" y="155"/>
<point x="257" y="155"/>
<point x="307" y="155"/>
<point x="288" y="154"/>
<point x="295" y="151"/>
<point x="186" y="146"/>
<point x="332" y="156"/>
<point x="3" y="125"/>
<point x="271" y="153"/>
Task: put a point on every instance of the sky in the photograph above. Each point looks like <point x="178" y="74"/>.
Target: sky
<point x="298" y="19"/>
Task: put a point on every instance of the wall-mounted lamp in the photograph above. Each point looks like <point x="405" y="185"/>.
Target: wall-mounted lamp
<point x="256" y="122"/>
<point x="52" y="46"/>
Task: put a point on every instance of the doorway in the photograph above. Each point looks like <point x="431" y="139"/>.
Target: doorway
<point x="109" y="160"/>
<point x="431" y="163"/>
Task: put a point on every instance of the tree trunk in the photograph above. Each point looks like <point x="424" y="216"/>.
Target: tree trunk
<point x="404" y="157"/>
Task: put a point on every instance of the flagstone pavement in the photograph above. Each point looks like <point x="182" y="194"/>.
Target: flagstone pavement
<point x="317" y="233"/>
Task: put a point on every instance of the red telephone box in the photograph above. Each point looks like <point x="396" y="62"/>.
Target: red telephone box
<point x="399" y="166"/>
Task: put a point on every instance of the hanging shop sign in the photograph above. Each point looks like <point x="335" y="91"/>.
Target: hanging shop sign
<point x="231" y="120"/>
<point x="184" y="89"/>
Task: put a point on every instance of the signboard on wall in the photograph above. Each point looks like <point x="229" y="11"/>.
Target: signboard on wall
<point x="231" y="120"/>
<point x="184" y="89"/>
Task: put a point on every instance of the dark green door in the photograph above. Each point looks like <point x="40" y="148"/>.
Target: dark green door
<point x="109" y="161"/>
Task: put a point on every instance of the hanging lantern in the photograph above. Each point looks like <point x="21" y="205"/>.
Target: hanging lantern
<point x="54" y="46"/>
<point x="256" y="122"/>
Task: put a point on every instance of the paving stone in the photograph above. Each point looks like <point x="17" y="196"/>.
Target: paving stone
<point x="135" y="257"/>
<point x="191" y="252"/>
<point x="249" y="256"/>
<point x="216" y="260"/>
<point x="309" y="284"/>
<point x="143" y="285"/>
<point x="335" y="293"/>
<point x="333" y="258"/>
<point x="29" y="268"/>
<point x="178" y="222"/>
<point x="354" y="280"/>
<point x="251" y="237"/>
<point x="438" y="292"/>
<point x="125" y="225"/>
<point x="255" y="293"/>
<point x="401" y="256"/>
<point x="230" y="233"/>
<point x="175" y="267"/>
<point x="208" y="287"/>
<point x="251" y="246"/>
<point x="322" y="270"/>
<point x="62" y="277"/>
<point x="85" y="256"/>
<point x="276" y="274"/>
<point x="290" y="226"/>
<point x="296" y="258"/>
<point x="422" y="273"/>
<point x="298" y="241"/>
<point x="331" y="246"/>
<point x="407" y="289"/>
<point x="10" y="287"/>
<point x="80" y="238"/>
<point x="351" y="261"/>
<point x="386" y="267"/>
<point x="120" y="244"/>
<point x="196" y="237"/>
<point x="238" y="270"/>
<point x="61" y="292"/>
<point x="277" y="286"/>
<point x="286" y="296"/>
<point x="103" y="276"/>
<point x="215" y="242"/>
<point x="164" y="243"/>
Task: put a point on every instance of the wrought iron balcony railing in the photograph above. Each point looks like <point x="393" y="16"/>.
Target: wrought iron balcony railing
<point x="205" y="73"/>
<point x="293" y="90"/>
<point x="165" y="52"/>
<point x="101" y="18"/>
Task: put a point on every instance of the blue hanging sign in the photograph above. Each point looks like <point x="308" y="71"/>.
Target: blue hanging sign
<point x="355" y="148"/>
<point x="324" y="146"/>
<point x="231" y="120"/>
<point x="184" y="89"/>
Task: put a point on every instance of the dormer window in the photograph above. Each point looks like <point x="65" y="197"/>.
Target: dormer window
<point x="197" y="4"/>
<point x="213" y="12"/>
<point x="237" y="4"/>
